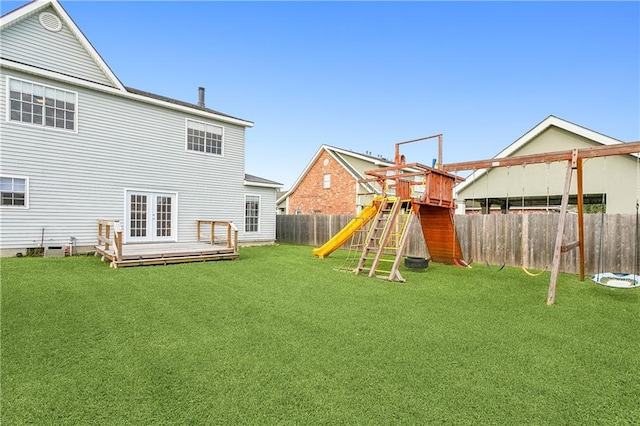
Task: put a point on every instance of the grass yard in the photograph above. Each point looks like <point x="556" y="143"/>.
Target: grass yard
<point x="281" y="337"/>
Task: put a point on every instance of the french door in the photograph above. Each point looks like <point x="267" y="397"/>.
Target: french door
<point x="151" y="216"/>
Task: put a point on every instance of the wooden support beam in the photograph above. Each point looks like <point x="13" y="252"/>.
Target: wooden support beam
<point x="551" y="296"/>
<point x="404" y="171"/>
<point x="439" y="136"/>
<point x="568" y="247"/>
<point x="547" y="157"/>
<point x="580" y="217"/>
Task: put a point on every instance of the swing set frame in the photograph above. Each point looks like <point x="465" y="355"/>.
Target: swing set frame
<point x="574" y="159"/>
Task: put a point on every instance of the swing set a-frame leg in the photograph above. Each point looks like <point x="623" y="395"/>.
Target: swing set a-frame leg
<point x="573" y="164"/>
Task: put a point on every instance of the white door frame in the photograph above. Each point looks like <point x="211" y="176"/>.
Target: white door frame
<point x="152" y="217"/>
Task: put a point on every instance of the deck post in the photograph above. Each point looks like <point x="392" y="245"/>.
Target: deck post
<point x="99" y="231"/>
<point x="107" y="233"/>
<point x="117" y="239"/>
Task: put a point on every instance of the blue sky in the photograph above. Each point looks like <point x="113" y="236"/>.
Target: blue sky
<point x="364" y="75"/>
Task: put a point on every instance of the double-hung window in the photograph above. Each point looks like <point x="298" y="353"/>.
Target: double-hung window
<point x="251" y="213"/>
<point x="326" y="180"/>
<point x="13" y="191"/>
<point x="203" y="137"/>
<point x="42" y="105"/>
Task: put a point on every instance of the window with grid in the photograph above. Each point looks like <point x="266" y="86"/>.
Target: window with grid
<point x="13" y="191"/>
<point x="251" y="213"/>
<point x="42" y="105"/>
<point x="203" y="137"/>
<point x="326" y="180"/>
<point x="163" y="216"/>
<point x="138" y="219"/>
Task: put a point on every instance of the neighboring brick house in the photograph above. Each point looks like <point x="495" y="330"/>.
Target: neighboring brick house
<point x="329" y="183"/>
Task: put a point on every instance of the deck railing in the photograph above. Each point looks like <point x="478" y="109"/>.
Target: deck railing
<point x="110" y="236"/>
<point x="228" y="236"/>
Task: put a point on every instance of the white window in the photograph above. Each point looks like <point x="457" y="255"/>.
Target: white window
<point x="42" y="105"/>
<point x="203" y="137"/>
<point x="326" y="180"/>
<point x="251" y="213"/>
<point x="13" y="191"/>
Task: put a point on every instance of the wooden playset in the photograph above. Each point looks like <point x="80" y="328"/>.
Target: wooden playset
<point x="414" y="191"/>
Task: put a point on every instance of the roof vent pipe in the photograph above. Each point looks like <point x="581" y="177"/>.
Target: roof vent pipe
<point x="201" y="97"/>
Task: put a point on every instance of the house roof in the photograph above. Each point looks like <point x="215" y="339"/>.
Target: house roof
<point x="342" y="156"/>
<point x="118" y="88"/>
<point x="176" y="102"/>
<point x="562" y="124"/>
<point x="251" y="180"/>
<point x="533" y="133"/>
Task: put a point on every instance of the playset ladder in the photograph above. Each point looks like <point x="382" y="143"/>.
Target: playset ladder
<point x="388" y="208"/>
<point x="394" y="245"/>
<point x="355" y="249"/>
<point x="387" y="234"/>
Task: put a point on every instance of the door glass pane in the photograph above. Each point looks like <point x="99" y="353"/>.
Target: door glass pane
<point x="138" y="218"/>
<point x="163" y="216"/>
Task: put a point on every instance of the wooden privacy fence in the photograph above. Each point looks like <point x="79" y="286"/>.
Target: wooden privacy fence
<point x="514" y="239"/>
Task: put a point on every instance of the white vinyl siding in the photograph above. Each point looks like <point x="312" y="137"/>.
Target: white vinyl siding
<point x="120" y="144"/>
<point x="204" y="137"/>
<point x="27" y="42"/>
<point x="41" y="105"/>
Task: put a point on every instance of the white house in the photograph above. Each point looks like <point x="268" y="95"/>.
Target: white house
<point x="77" y="146"/>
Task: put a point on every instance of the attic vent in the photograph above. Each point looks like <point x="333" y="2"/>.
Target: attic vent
<point x="50" y="21"/>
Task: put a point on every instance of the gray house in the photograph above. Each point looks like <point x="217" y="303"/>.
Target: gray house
<point x="78" y="146"/>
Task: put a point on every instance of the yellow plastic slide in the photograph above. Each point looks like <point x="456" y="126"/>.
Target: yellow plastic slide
<point x="347" y="232"/>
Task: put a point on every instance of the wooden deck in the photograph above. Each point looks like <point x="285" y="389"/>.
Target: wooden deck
<point x="216" y="246"/>
<point x="166" y="253"/>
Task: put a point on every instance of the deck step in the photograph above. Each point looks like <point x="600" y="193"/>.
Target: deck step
<point x="166" y="253"/>
<point x="173" y="259"/>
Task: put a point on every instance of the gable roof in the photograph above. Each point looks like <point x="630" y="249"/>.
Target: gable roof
<point x="342" y="157"/>
<point x="562" y="124"/>
<point x="18" y="15"/>
<point x="536" y="131"/>
<point x="29" y="9"/>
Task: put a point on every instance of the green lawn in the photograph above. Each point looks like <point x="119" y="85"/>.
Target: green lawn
<point x="281" y="337"/>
